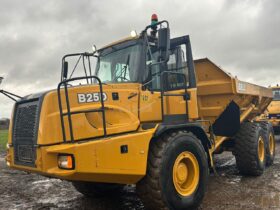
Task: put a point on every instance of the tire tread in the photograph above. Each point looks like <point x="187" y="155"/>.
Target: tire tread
<point x="149" y="188"/>
<point x="246" y="150"/>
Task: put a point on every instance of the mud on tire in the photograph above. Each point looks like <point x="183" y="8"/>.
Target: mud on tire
<point x="247" y="148"/>
<point x="157" y="189"/>
<point x="94" y="189"/>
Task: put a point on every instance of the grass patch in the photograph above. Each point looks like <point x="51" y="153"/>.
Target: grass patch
<point x="3" y="139"/>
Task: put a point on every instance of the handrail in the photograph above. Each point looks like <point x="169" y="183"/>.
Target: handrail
<point x="68" y="113"/>
<point x="83" y="54"/>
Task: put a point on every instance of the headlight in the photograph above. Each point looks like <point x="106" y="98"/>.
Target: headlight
<point x="7" y="146"/>
<point x="66" y="161"/>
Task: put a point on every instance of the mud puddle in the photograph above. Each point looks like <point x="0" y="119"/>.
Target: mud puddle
<point x="227" y="190"/>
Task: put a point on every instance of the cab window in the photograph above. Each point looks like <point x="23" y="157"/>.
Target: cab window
<point x="176" y="64"/>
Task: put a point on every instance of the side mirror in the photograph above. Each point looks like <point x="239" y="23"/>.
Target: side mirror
<point x="65" y="69"/>
<point x="164" y="43"/>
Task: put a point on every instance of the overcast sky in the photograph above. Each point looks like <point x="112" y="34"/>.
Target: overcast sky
<point x="241" y="36"/>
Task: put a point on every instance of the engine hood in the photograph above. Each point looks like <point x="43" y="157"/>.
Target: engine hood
<point x="121" y="102"/>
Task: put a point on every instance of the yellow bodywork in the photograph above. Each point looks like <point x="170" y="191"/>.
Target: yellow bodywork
<point x="273" y="110"/>
<point x="98" y="158"/>
<point x="121" y="115"/>
<point x="216" y="89"/>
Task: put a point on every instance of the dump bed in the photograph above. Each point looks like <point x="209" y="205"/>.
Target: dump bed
<point x="217" y="88"/>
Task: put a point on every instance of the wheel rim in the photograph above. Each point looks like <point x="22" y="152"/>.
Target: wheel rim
<point x="186" y="173"/>
<point x="261" y="149"/>
<point x="271" y="144"/>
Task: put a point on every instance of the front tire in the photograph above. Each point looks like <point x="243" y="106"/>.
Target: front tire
<point x="177" y="173"/>
<point x="95" y="189"/>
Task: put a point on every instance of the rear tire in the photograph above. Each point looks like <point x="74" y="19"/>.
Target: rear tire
<point x="276" y="129"/>
<point x="177" y="173"/>
<point x="94" y="189"/>
<point x="269" y="141"/>
<point x="250" y="149"/>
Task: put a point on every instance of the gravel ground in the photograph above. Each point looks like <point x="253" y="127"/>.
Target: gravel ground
<point x="227" y="190"/>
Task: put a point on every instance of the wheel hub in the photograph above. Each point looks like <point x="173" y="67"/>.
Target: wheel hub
<point x="186" y="173"/>
<point x="271" y="144"/>
<point x="261" y="150"/>
<point x="182" y="172"/>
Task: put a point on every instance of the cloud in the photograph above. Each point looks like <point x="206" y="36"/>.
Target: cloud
<point x="242" y="36"/>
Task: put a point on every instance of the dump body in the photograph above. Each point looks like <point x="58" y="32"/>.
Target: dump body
<point x="217" y="88"/>
<point x="225" y="102"/>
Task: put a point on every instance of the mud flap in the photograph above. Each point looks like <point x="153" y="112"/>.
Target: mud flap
<point x="228" y="123"/>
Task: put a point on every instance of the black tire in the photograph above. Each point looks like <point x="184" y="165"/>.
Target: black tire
<point x="94" y="189"/>
<point x="269" y="141"/>
<point x="246" y="149"/>
<point x="156" y="189"/>
<point x="276" y="130"/>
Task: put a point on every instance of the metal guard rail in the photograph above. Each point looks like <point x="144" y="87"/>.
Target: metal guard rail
<point x="68" y="113"/>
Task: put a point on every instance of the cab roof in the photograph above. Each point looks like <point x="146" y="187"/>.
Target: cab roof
<point x="275" y="87"/>
<point x="120" y="41"/>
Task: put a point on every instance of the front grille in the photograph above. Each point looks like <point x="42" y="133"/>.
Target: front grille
<point x="25" y="129"/>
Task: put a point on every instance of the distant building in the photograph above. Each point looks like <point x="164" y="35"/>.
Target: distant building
<point x="4" y="123"/>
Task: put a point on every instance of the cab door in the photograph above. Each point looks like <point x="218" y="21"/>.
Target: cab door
<point x="169" y="96"/>
<point x="174" y="88"/>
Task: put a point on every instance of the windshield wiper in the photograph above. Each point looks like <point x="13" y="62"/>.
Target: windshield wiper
<point x="126" y="65"/>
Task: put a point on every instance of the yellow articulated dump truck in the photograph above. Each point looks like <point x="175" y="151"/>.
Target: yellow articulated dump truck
<point x="147" y="115"/>
<point x="274" y="109"/>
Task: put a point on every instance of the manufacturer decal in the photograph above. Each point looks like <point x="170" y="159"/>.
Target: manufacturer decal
<point x="241" y="86"/>
<point x="91" y="97"/>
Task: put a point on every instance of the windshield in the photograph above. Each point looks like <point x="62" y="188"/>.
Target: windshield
<point x="276" y="94"/>
<point x="120" y="63"/>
